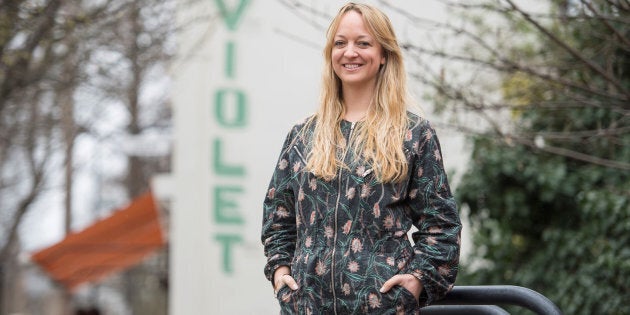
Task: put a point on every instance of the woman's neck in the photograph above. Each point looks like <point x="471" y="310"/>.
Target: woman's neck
<point x="357" y="103"/>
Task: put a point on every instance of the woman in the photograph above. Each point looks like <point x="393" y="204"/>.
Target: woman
<point x="350" y="183"/>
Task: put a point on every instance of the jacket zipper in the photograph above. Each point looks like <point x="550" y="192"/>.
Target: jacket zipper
<point x="334" y="250"/>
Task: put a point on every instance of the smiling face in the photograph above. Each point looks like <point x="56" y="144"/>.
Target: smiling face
<point x="356" y="55"/>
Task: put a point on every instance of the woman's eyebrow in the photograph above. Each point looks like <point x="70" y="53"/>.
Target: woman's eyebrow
<point x="358" y="37"/>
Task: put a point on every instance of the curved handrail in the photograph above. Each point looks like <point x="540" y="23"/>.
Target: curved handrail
<point x="463" y="309"/>
<point x="500" y="294"/>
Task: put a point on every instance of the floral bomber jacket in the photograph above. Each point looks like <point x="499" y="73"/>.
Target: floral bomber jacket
<point x="344" y="238"/>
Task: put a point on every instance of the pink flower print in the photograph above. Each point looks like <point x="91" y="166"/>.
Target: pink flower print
<point x="286" y="297"/>
<point x="388" y="222"/>
<point x="271" y="193"/>
<point x="312" y="217"/>
<point x="283" y="164"/>
<point x="346" y="289"/>
<point x="431" y="240"/>
<point x="413" y="193"/>
<point x="320" y="268"/>
<point x="365" y="191"/>
<point x="435" y="229"/>
<point x="282" y="212"/>
<point x="391" y="261"/>
<point x="308" y="242"/>
<point x="428" y="135"/>
<point x="356" y="245"/>
<point x="420" y="172"/>
<point x="301" y="194"/>
<point x="347" y="226"/>
<point x="408" y="135"/>
<point x="306" y="258"/>
<point x="438" y="156"/>
<point x="374" y="301"/>
<point x="298" y="220"/>
<point x="444" y="270"/>
<point x="312" y="183"/>
<point x="353" y="266"/>
<point x="360" y="170"/>
<point x="377" y="210"/>
<point x="350" y="193"/>
<point x="296" y="166"/>
<point x="328" y="232"/>
<point x="395" y="197"/>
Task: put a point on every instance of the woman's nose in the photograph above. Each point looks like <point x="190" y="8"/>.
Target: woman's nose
<point x="350" y="51"/>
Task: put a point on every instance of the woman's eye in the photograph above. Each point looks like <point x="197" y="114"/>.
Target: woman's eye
<point x="363" y="44"/>
<point x="339" y="43"/>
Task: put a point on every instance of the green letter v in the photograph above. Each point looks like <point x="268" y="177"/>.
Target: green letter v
<point x="231" y="17"/>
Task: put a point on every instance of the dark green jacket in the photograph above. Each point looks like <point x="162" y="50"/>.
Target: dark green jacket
<point x="344" y="238"/>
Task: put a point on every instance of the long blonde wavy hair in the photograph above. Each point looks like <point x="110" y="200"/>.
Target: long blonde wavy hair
<point x="379" y="139"/>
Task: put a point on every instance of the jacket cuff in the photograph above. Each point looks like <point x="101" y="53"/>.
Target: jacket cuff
<point x="270" y="269"/>
<point x="424" y="299"/>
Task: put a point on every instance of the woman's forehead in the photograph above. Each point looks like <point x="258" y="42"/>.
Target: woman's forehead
<point x="352" y="24"/>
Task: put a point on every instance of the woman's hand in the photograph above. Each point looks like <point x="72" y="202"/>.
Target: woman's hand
<point x="409" y="282"/>
<point x="281" y="277"/>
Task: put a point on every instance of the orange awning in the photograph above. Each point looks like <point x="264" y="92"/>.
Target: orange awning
<point x="112" y="244"/>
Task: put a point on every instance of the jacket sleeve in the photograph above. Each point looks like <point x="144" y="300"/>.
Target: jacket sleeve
<point x="434" y="212"/>
<point x="278" y="224"/>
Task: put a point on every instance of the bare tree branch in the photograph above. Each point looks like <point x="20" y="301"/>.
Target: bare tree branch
<point x="508" y="66"/>
<point x="622" y="37"/>
<point x="502" y="63"/>
<point x="15" y="69"/>
<point x="609" y="77"/>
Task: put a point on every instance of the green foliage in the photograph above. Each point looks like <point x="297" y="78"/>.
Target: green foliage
<point x="556" y="223"/>
<point x="549" y="224"/>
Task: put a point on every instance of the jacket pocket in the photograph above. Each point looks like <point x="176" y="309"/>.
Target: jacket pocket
<point x="284" y="295"/>
<point x="403" y="300"/>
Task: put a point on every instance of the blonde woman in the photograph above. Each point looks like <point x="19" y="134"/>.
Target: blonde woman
<point x="352" y="180"/>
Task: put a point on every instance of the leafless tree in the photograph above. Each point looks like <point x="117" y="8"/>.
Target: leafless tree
<point x="492" y="55"/>
<point x="465" y="63"/>
<point x="50" y="50"/>
<point x="34" y="52"/>
<point x="144" y="36"/>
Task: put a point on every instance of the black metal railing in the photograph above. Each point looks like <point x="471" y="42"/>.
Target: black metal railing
<point x="484" y="300"/>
